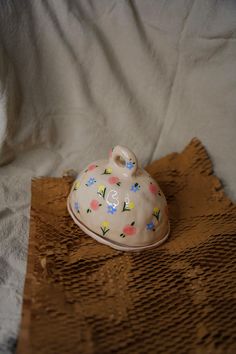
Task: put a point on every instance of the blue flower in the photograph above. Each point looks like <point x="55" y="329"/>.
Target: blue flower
<point x="111" y="209"/>
<point x="135" y="187"/>
<point x="150" y="226"/>
<point x="91" y="181"/>
<point x="129" y="165"/>
<point x="77" y="206"/>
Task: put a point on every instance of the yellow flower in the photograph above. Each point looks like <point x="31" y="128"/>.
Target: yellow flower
<point x="77" y="185"/>
<point x="131" y="205"/>
<point x="109" y="170"/>
<point x="156" y="210"/>
<point x="105" y="224"/>
<point x="101" y="188"/>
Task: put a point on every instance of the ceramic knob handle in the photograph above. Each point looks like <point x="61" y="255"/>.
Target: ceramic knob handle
<point x="124" y="161"/>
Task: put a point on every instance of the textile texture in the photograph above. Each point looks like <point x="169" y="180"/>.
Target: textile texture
<point x="84" y="297"/>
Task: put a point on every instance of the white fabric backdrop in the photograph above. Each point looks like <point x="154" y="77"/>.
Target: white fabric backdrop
<point x="77" y="77"/>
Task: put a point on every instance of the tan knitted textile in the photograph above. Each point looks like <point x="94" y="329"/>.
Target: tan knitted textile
<point x="84" y="297"/>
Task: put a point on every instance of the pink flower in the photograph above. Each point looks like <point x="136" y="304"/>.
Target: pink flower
<point x="110" y="152"/>
<point x="94" y="204"/>
<point x="129" y="230"/>
<point x="113" y="180"/>
<point x="153" y="188"/>
<point x="91" y="167"/>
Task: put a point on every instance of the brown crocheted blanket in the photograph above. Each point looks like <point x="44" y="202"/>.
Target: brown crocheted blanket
<point x="84" y="297"/>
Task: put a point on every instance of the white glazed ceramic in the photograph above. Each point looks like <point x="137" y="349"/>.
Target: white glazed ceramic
<point x="119" y="204"/>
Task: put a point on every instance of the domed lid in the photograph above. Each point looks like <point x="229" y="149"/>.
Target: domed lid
<point x="119" y="204"/>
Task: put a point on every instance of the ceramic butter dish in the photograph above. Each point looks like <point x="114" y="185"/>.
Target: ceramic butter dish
<point x="119" y="204"/>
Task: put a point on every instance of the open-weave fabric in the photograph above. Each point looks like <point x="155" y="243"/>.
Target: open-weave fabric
<point x="84" y="297"/>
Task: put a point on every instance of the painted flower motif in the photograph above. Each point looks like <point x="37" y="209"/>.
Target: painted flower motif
<point x="153" y="188"/>
<point x="101" y="191"/>
<point x="156" y="213"/>
<point x="107" y="171"/>
<point x="128" y="230"/>
<point x="77" y="207"/>
<point x="77" y="185"/>
<point x="130" y="165"/>
<point x="105" y="227"/>
<point x="94" y="205"/>
<point x="150" y="226"/>
<point x="90" y="181"/>
<point x="91" y="167"/>
<point x="111" y="209"/>
<point x="114" y="180"/>
<point x="135" y="187"/>
<point x="128" y="206"/>
<point x="131" y="205"/>
<point x="105" y="224"/>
